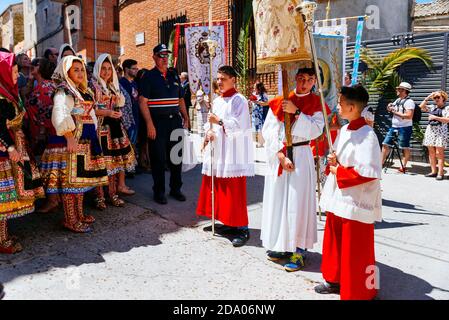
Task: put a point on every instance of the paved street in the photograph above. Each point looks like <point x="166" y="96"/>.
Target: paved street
<point x="149" y="251"/>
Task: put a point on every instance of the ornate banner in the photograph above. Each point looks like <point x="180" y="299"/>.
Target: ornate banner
<point x="198" y="56"/>
<point x="330" y="55"/>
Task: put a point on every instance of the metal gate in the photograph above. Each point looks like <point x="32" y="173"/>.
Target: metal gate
<point x="414" y="72"/>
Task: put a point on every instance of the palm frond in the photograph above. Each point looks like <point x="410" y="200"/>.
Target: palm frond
<point x="382" y="73"/>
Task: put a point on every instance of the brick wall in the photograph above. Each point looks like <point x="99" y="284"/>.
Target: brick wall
<point x="142" y="16"/>
<point x="107" y="38"/>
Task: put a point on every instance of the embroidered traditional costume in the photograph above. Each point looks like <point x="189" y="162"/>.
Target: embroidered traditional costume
<point x="73" y="174"/>
<point x="20" y="182"/>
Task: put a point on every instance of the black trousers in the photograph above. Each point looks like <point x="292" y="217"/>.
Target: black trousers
<point x="160" y="149"/>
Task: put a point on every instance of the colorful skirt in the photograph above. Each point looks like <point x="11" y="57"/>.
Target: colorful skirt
<point x="20" y="185"/>
<point x="79" y="172"/>
<point x="117" y="149"/>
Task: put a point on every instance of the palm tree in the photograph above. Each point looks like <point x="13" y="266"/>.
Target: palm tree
<point x="242" y="54"/>
<point x="382" y="76"/>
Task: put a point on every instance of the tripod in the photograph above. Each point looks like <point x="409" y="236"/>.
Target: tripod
<point x="393" y="150"/>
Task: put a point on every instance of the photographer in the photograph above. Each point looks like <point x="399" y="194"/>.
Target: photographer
<point x="435" y="138"/>
<point x="402" y="123"/>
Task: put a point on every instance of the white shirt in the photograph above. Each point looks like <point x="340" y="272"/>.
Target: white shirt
<point x="233" y="144"/>
<point x="358" y="149"/>
<point x="398" y="122"/>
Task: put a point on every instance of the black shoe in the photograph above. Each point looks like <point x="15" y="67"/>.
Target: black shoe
<point x="2" y="293"/>
<point x="160" y="199"/>
<point x="222" y="229"/>
<point x="439" y="178"/>
<point x="327" y="288"/>
<point x="276" y="256"/>
<point x="241" y="239"/>
<point x="178" y="196"/>
<point x="431" y="175"/>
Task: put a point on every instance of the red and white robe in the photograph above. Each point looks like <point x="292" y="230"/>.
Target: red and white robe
<point x="352" y="200"/>
<point x="289" y="201"/>
<point x="233" y="161"/>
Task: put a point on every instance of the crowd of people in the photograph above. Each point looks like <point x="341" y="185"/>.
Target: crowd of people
<point x="68" y="128"/>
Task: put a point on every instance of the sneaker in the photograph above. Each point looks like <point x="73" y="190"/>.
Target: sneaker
<point x="327" y="288"/>
<point x="276" y="256"/>
<point x="296" y="262"/>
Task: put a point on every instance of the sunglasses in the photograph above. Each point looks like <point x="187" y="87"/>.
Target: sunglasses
<point x="162" y="56"/>
<point x="437" y="97"/>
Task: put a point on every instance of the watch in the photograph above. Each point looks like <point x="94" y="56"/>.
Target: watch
<point x="11" y="148"/>
<point x="298" y="112"/>
<point x="220" y="122"/>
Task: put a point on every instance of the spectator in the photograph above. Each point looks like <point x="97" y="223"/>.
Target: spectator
<point x="128" y="82"/>
<point x="187" y="94"/>
<point x="402" y="123"/>
<point x="118" y="152"/>
<point x="25" y="81"/>
<point x="40" y="103"/>
<point x="90" y="69"/>
<point x="348" y="79"/>
<point x="259" y="99"/>
<point x="143" y="159"/>
<point x="52" y="55"/>
<point x="435" y="138"/>
<point x="162" y="104"/>
<point x="368" y="114"/>
<point x="65" y="50"/>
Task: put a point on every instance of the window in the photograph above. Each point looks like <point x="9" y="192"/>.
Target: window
<point x="116" y="13"/>
<point x="166" y="27"/>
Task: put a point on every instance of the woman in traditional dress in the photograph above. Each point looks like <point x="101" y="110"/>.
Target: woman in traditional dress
<point x="117" y="149"/>
<point x="73" y="162"/>
<point x="64" y="51"/>
<point x="20" y="183"/>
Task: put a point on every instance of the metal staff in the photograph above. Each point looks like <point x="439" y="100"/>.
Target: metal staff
<point x="211" y="46"/>
<point x="307" y="9"/>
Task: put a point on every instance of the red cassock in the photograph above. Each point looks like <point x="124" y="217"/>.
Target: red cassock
<point x="230" y="200"/>
<point x="230" y="177"/>
<point x="348" y="245"/>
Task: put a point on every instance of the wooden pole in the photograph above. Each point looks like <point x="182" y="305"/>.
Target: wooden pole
<point x="287" y="123"/>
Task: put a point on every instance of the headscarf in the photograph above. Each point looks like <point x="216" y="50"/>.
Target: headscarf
<point x="8" y="89"/>
<point x="61" y="50"/>
<point x="61" y="75"/>
<point x="112" y="86"/>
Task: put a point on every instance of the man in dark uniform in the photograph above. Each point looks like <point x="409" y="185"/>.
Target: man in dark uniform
<point x="162" y="105"/>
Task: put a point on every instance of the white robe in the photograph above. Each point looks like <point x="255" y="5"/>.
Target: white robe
<point x="233" y="146"/>
<point x="359" y="149"/>
<point x="289" y="200"/>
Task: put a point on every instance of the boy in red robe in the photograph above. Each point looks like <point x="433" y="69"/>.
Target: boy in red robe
<point x="352" y="200"/>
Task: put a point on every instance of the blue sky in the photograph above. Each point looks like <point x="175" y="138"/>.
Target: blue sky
<point x="5" y="3"/>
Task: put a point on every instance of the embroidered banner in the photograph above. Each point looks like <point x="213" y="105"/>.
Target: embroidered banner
<point x="330" y="56"/>
<point x="198" y="55"/>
